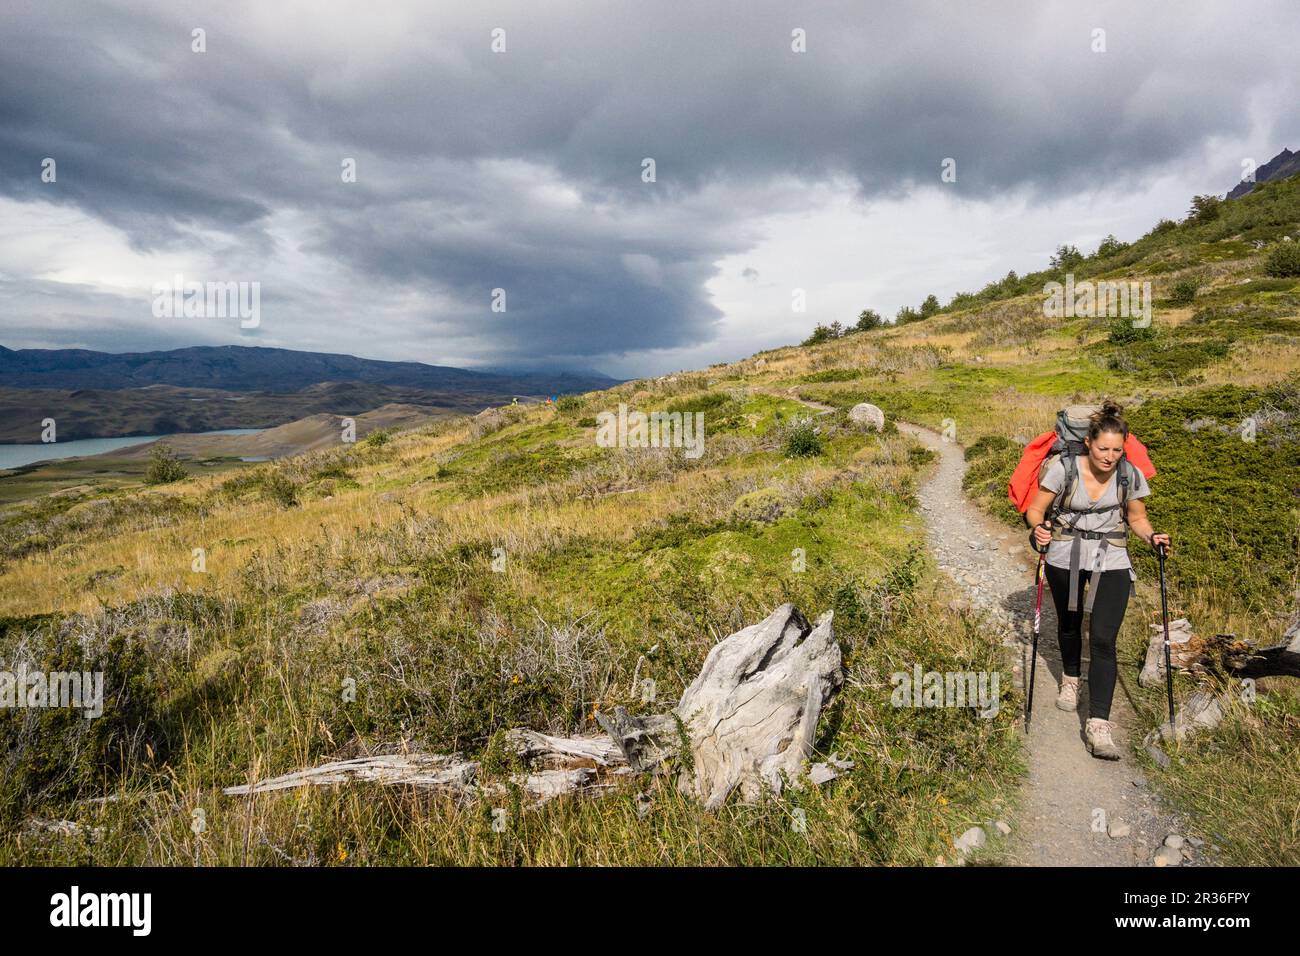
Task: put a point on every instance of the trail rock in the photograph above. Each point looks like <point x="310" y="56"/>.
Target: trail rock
<point x="972" y="839"/>
<point x="1168" y="856"/>
<point x="867" y="415"/>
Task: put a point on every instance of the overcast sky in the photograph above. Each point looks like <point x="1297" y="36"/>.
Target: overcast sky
<point x="522" y="170"/>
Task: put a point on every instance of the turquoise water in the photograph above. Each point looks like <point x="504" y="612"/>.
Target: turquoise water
<point x="12" y="456"/>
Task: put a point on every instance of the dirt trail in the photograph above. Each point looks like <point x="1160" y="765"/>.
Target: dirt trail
<point x="1066" y="785"/>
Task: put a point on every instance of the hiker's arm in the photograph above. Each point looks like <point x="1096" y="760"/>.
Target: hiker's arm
<point x="1039" y="537"/>
<point x="1141" y="525"/>
<point x="1038" y="507"/>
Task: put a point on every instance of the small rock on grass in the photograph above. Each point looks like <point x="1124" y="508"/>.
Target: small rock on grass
<point x="1174" y="840"/>
<point x="970" y="840"/>
<point x="1003" y="828"/>
<point x="1159" y="756"/>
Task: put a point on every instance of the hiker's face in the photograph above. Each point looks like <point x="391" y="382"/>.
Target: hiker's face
<point x="1105" y="450"/>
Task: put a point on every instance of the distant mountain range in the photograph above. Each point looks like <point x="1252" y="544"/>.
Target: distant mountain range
<point x="105" y="395"/>
<point x="239" y="368"/>
<point x="1284" y="164"/>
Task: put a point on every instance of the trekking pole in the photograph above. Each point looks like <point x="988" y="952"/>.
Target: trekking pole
<point x="1038" y="616"/>
<point x="1164" y="611"/>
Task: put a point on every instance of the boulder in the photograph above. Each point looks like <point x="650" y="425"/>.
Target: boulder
<point x="867" y="415"/>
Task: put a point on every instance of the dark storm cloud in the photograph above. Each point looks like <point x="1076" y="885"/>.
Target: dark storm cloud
<point x="171" y="146"/>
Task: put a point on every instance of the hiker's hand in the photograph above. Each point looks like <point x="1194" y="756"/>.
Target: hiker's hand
<point x="1042" y="535"/>
<point x="1159" y="539"/>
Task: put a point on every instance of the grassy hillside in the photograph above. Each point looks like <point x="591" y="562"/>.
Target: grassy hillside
<point x="482" y="573"/>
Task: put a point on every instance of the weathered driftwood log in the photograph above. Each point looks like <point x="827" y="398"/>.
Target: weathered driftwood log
<point x="426" y="771"/>
<point x="1277" y="660"/>
<point x="1224" y="653"/>
<point x="643" y="742"/>
<point x="749" y="718"/>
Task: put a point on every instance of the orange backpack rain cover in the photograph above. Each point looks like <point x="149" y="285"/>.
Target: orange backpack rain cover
<point x="1024" y="480"/>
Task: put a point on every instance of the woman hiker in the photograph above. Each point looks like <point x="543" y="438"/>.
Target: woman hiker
<point x="1103" y="562"/>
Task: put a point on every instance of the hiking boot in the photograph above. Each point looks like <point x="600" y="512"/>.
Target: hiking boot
<point x="1067" y="698"/>
<point x="1100" y="743"/>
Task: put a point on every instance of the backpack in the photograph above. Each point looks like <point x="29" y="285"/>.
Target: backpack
<point x="1065" y="441"/>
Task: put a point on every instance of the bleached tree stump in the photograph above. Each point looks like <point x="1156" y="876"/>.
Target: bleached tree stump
<point x="751" y="714"/>
<point x="749" y="719"/>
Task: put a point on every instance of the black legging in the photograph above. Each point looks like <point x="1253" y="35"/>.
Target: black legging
<point x="1103" y="627"/>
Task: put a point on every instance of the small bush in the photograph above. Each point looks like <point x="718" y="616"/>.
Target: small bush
<point x="802" y="440"/>
<point x="1122" y="332"/>
<point x="379" y="438"/>
<point x="1284" y="261"/>
<point x="759" y="507"/>
<point x="568" y="403"/>
<point x="164" y="466"/>
<point x="1184" y="291"/>
<point x="269" y="484"/>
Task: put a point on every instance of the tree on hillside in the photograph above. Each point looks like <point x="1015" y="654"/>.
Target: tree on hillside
<point x="1110" y="246"/>
<point x="930" y="306"/>
<point x="824" y="333"/>
<point x="1163" y="226"/>
<point x="868" y="319"/>
<point x="907" y="314"/>
<point x="1205" y="209"/>
<point x="1066" y="258"/>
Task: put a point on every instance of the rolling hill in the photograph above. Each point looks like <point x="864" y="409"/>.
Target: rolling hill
<point x="432" y="589"/>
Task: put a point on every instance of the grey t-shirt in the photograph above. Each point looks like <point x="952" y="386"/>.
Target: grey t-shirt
<point x="1058" y="552"/>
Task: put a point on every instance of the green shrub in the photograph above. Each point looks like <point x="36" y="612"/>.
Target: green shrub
<point x="268" y="484"/>
<point x="1122" y="331"/>
<point x="1284" y="260"/>
<point x="802" y="440"/>
<point x="277" y="487"/>
<point x="378" y="438"/>
<point x="759" y="507"/>
<point x="1184" y="291"/>
<point x="164" y="466"/>
<point x="568" y="403"/>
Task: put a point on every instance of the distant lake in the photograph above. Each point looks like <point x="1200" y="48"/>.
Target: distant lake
<point x="12" y="456"/>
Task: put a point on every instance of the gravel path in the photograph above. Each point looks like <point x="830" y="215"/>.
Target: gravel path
<point x="1067" y="788"/>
